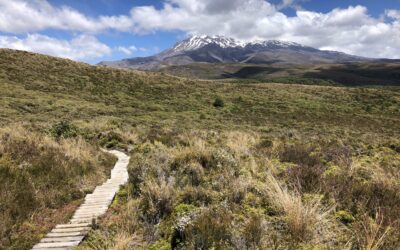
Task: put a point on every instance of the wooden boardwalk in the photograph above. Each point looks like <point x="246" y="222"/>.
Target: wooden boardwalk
<point x="68" y="236"/>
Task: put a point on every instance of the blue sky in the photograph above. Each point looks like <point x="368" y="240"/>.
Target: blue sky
<point x="96" y="30"/>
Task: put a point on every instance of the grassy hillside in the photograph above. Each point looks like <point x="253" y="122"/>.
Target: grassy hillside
<point x="42" y="89"/>
<point x="357" y="74"/>
<point x="280" y="166"/>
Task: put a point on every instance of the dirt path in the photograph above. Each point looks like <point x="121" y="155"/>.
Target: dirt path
<point x="67" y="236"/>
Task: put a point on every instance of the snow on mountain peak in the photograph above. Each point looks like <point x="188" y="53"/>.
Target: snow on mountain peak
<point x="197" y="42"/>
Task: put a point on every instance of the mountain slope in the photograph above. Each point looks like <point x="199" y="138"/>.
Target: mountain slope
<point x="218" y="49"/>
<point x="349" y="74"/>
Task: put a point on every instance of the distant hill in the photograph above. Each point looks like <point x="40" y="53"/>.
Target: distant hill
<point x="218" y="49"/>
<point x="350" y="74"/>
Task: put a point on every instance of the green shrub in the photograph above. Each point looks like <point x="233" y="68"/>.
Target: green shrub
<point x="110" y="140"/>
<point x="219" y="102"/>
<point x="210" y="230"/>
<point x="182" y="208"/>
<point x="63" y="129"/>
<point x="265" y="143"/>
<point x="198" y="196"/>
<point x="344" y="216"/>
<point x="160" y="245"/>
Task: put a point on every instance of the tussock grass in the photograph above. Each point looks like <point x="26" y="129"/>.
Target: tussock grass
<point x="371" y="233"/>
<point x="302" y="218"/>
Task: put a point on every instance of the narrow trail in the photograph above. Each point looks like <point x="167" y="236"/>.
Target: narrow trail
<point x="70" y="235"/>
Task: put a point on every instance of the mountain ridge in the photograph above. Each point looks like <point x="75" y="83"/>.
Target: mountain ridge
<point x="197" y="42"/>
<point x="220" y="49"/>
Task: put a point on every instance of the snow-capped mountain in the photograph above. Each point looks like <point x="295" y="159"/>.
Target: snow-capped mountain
<point x="219" y="49"/>
<point x="197" y="42"/>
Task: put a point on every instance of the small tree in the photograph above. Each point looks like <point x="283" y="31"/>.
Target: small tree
<point x="219" y="103"/>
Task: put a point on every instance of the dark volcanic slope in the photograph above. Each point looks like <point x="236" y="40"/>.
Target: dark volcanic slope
<point x="205" y="49"/>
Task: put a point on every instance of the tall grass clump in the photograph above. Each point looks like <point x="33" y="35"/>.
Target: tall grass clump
<point x="302" y="219"/>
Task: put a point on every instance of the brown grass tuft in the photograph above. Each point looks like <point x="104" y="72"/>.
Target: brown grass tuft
<point x="301" y="218"/>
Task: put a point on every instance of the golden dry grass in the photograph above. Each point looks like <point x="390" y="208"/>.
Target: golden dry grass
<point x="302" y="218"/>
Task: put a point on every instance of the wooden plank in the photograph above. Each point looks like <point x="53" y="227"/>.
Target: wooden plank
<point x="57" y="244"/>
<point x="91" y="215"/>
<point x="54" y="248"/>
<point x="104" y="197"/>
<point x="93" y="204"/>
<point x="91" y="211"/>
<point x="88" y="210"/>
<point x="73" y="225"/>
<point x="68" y="230"/>
<point x="82" y="220"/>
<point x="70" y="234"/>
<point x="97" y="203"/>
<point x="85" y="217"/>
<point x="62" y="239"/>
<point x="99" y="198"/>
<point x="106" y="190"/>
<point x="96" y="213"/>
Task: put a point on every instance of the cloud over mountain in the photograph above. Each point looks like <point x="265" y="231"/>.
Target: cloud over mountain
<point x="350" y="30"/>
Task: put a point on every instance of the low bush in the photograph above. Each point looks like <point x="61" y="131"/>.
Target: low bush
<point x="156" y="200"/>
<point x="344" y="217"/>
<point x="110" y="140"/>
<point x="64" y="130"/>
<point x="218" y="102"/>
<point x="210" y="229"/>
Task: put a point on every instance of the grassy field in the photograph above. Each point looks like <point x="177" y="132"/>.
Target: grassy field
<point x="215" y="164"/>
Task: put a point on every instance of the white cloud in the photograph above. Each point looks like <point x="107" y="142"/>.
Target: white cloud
<point x="127" y="50"/>
<point x="83" y="47"/>
<point x="395" y="14"/>
<point x="351" y="30"/>
<point x="290" y="4"/>
<point x="18" y="16"/>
